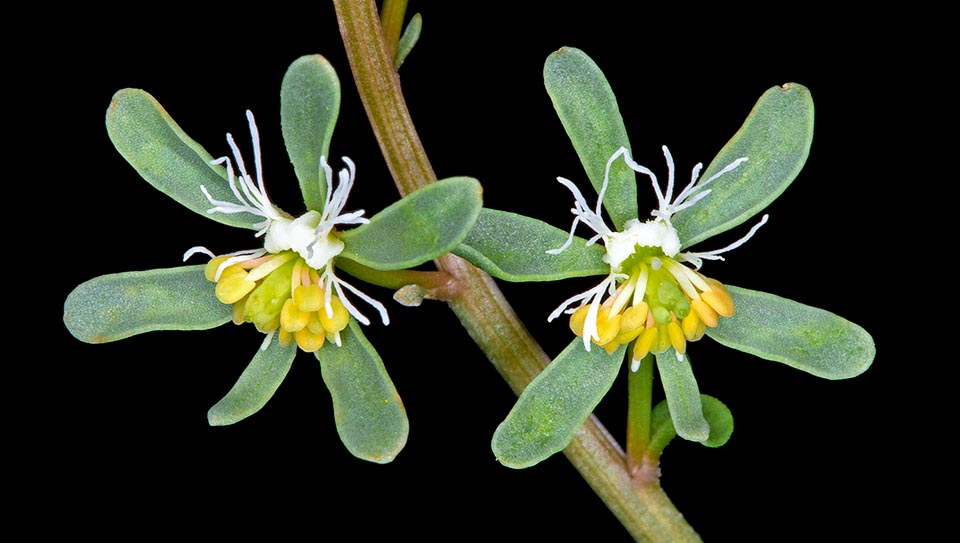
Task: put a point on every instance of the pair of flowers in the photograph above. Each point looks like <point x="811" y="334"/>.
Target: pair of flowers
<point x="650" y="300"/>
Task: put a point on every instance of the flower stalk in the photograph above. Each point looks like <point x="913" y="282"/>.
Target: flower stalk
<point x="644" y="509"/>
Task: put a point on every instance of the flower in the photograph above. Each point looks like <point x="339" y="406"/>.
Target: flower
<point x="289" y="285"/>
<point x="653" y="298"/>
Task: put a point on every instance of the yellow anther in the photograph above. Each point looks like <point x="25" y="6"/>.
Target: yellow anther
<point x="237" y="311"/>
<point x="577" y="319"/>
<point x="663" y="340"/>
<point x="268" y="325"/>
<point x="210" y="270"/>
<point x="644" y="342"/>
<point x="291" y="318"/>
<point x="677" y="338"/>
<point x="719" y="299"/>
<point x="314" y="325"/>
<point x="340" y="316"/>
<point x="308" y="297"/>
<point x="309" y="341"/>
<point x="233" y="287"/>
<point x="634" y="317"/>
<point x="705" y="312"/>
<point x="608" y="326"/>
<point x="286" y="338"/>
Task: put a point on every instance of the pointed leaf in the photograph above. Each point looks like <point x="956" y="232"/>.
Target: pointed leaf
<point x="590" y="115"/>
<point x="407" y="40"/>
<point x="514" y="248"/>
<point x="801" y="336"/>
<point x="422" y="225"/>
<point x="309" y="105"/>
<point x="683" y="396"/>
<point x="119" y="305"/>
<point x="717" y="414"/>
<point x="555" y="404"/>
<point x="776" y="139"/>
<point x="167" y="158"/>
<point x="256" y="384"/>
<point x="370" y="417"/>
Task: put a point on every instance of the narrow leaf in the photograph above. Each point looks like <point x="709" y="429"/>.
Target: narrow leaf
<point x="589" y="112"/>
<point x="256" y="384"/>
<point x="801" y="336"/>
<point x="776" y="139"/>
<point x="119" y="305"/>
<point x="423" y="225"/>
<point x="309" y="105"/>
<point x="514" y="248"/>
<point x="717" y="415"/>
<point x="683" y="396"/>
<point x="167" y="158"/>
<point x="555" y="404"/>
<point x="370" y="417"/>
<point x="407" y="40"/>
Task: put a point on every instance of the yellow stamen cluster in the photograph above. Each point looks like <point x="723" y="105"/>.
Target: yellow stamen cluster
<point x="661" y="304"/>
<point x="280" y="293"/>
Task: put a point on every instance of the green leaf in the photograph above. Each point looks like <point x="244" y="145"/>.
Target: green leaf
<point x="555" y="404"/>
<point x="370" y="417"/>
<point x="801" y="336"/>
<point x="422" y="225"/>
<point x="167" y="158"/>
<point x="717" y="414"/>
<point x="256" y="384"/>
<point x="407" y="40"/>
<point x="683" y="396"/>
<point x="514" y="248"/>
<point x="776" y="139"/>
<point x="589" y="113"/>
<point x="119" y="305"/>
<point x="309" y="105"/>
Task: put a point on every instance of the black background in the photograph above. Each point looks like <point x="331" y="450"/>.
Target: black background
<point x="115" y="440"/>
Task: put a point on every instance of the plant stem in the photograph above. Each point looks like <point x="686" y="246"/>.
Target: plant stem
<point x="641" y="465"/>
<point x="644" y="509"/>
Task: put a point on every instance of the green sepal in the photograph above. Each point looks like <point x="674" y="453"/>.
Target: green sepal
<point x="407" y="40"/>
<point x="514" y="248"/>
<point x="776" y="139"/>
<point x="683" y="396"/>
<point x="120" y="305"/>
<point x="309" y="105"/>
<point x="370" y="417"/>
<point x="167" y="158"/>
<point x="256" y="384"/>
<point x="589" y="112"/>
<point x="421" y="226"/>
<point x="804" y="337"/>
<point x="555" y="404"/>
<point x="717" y="415"/>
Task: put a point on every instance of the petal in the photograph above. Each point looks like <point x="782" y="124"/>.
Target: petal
<point x="555" y="404"/>
<point x="167" y="158"/>
<point x="801" y="336"/>
<point x="683" y="396"/>
<point x="588" y="110"/>
<point x="423" y="225"/>
<point x="309" y="105"/>
<point x="256" y="384"/>
<point x="776" y="139"/>
<point x="370" y="417"/>
<point x="514" y="248"/>
<point x="115" y="306"/>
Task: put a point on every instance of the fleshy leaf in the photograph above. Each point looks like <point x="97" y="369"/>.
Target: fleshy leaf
<point x="309" y="105"/>
<point x="776" y="139"/>
<point x="370" y="417"/>
<point x="717" y="414"/>
<point x="514" y="248"/>
<point x="555" y="404"/>
<point x="422" y="225"/>
<point x="407" y="40"/>
<point x="588" y="110"/>
<point x="804" y="337"/>
<point x="683" y="396"/>
<point x="120" y="305"/>
<point x="167" y="158"/>
<point x="256" y="384"/>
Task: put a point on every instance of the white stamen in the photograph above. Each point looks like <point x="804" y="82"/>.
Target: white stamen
<point x="635" y="364"/>
<point x="267" y="340"/>
<point x="697" y="258"/>
<point x="328" y="279"/>
<point x="198" y="249"/>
